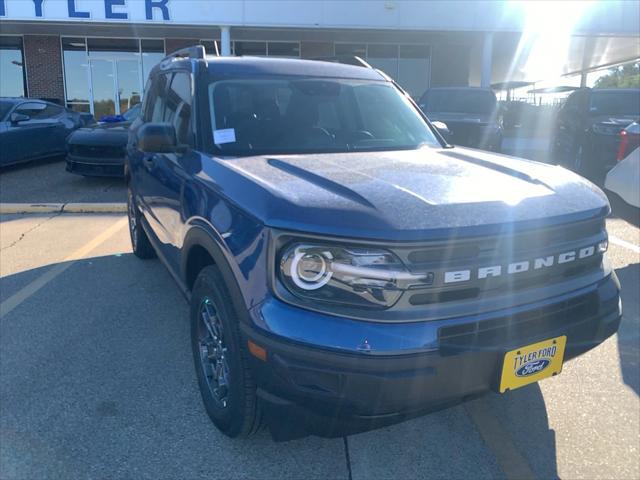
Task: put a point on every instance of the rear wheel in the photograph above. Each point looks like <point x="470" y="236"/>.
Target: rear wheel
<point x="224" y="377"/>
<point x="140" y="243"/>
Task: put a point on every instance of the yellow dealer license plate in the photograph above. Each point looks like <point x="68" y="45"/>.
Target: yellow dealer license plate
<point x="532" y="363"/>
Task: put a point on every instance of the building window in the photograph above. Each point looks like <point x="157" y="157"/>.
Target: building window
<point x="106" y="76"/>
<point x="414" y="69"/>
<point x="76" y="74"/>
<point x="152" y="54"/>
<point x="283" y="49"/>
<point x="12" y="79"/>
<point x="409" y="65"/>
<point x="357" y="49"/>
<point x="255" y="48"/>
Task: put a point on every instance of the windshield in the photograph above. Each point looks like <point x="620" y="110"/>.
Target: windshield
<point x="459" y="101"/>
<point x="301" y="115"/>
<point x="615" y="103"/>
<point x="132" y="113"/>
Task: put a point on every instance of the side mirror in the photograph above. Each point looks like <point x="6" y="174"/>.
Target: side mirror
<point x="19" y="117"/>
<point x="442" y="129"/>
<point x="158" y="138"/>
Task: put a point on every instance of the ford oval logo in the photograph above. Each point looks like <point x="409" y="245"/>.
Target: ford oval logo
<point x="532" y="367"/>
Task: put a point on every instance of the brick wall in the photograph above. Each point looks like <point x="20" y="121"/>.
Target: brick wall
<point x="44" y="67"/>
<point x="173" y="44"/>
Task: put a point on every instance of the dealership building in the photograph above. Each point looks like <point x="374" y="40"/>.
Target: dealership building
<point x="94" y="55"/>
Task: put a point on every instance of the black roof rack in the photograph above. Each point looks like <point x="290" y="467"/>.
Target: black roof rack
<point x="195" y="51"/>
<point x="346" y="59"/>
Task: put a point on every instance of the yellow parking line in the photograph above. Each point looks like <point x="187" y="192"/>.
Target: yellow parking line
<point x="23" y="294"/>
<point x="512" y="463"/>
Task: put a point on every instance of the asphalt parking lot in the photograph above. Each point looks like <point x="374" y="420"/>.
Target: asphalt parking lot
<point x="96" y="380"/>
<point x="49" y="182"/>
<point x="96" y="375"/>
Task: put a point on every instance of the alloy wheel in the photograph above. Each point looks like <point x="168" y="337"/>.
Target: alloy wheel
<point x="213" y="350"/>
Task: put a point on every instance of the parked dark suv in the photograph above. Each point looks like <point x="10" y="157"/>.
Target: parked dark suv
<point x="587" y="133"/>
<point x="471" y="114"/>
<point x="345" y="268"/>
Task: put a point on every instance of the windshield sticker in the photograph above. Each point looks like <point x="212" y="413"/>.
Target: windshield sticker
<point x="226" y="135"/>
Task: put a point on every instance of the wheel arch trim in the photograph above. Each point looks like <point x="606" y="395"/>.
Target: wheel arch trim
<point x="199" y="236"/>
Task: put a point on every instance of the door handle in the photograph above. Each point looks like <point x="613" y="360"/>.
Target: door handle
<point x="149" y="160"/>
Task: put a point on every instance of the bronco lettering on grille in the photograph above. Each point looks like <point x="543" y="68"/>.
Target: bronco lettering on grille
<point x="519" y="267"/>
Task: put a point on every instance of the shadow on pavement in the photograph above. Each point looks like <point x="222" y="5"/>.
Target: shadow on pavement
<point x="629" y="332"/>
<point x="97" y="380"/>
<point x="474" y="440"/>
<point x="49" y="182"/>
<point x="623" y="210"/>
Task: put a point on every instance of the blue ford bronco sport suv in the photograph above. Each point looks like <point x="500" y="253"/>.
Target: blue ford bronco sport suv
<point x="345" y="267"/>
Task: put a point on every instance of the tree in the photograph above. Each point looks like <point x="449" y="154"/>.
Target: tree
<point x="623" y="76"/>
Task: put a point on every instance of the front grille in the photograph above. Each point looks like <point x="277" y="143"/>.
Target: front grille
<point x="501" y="250"/>
<point x="97" y="151"/>
<point x="498" y="332"/>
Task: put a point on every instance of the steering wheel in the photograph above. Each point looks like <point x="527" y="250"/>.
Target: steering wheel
<point x="362" y="135"/>
<point x="317" y="135"/>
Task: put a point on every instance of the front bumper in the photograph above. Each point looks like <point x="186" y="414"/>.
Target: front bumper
<point x="392" y="372"/>
<point x="88" y="166"/>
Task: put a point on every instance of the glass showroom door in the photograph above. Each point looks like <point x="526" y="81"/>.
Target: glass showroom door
<point x="128" y="80"/>
<point x="115" y="85"/>
<point x="103" y="87"/>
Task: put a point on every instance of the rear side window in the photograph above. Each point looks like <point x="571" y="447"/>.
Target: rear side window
<point x="39" y="110"/>
<point x="51" y="111"/>
<point x="33" y="109"/>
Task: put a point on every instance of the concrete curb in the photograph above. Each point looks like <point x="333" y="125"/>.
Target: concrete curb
<point x="12" y="208"/>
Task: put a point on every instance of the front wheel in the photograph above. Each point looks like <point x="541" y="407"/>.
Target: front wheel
<point x="224" y="377"/>
<point x="140" y="243"/>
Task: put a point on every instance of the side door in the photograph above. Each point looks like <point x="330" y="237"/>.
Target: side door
<point x="29" y="138"/>
<point x="59" y="126"/>
<point x="143" y="164"/>
<point x="171" y="172"/>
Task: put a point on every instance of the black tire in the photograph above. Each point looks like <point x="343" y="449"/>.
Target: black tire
<point x="234" y="409"/>
<point x="140" y="243"/>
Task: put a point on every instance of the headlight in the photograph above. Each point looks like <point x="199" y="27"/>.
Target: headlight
<point x="358" y="277"/>
<point x="603" y="246"/>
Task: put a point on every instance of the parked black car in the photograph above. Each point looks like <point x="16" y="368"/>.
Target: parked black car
<point x="471" y="114"/>
<point x="588" y="126"/>
<point x="33" y="129"/>
<point x="98" y="150"/>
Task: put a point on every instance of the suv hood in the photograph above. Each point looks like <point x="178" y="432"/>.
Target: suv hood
<point x="113" y="134"/>
<point x="404" y="195"/>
